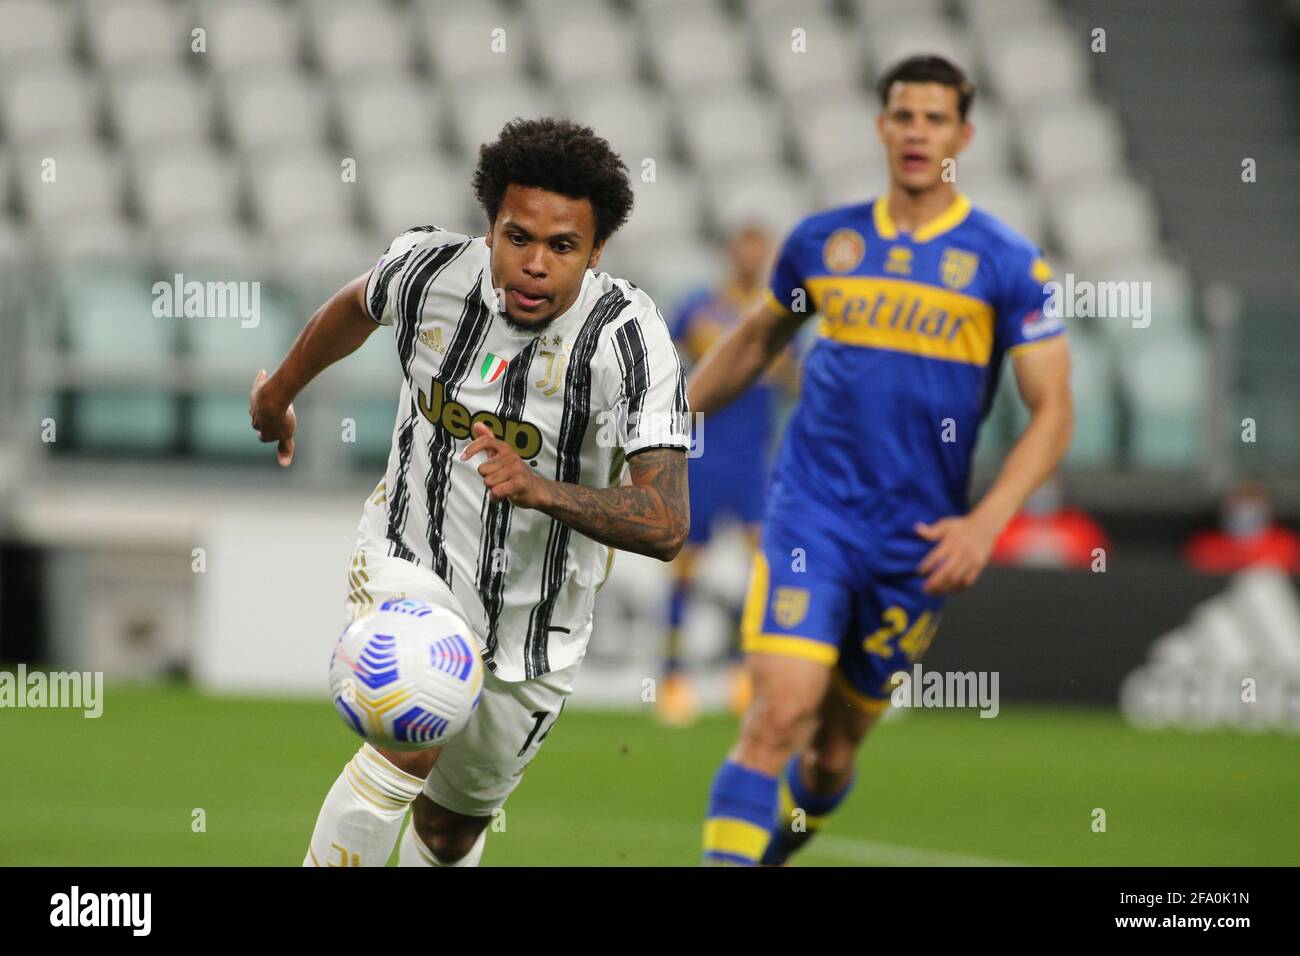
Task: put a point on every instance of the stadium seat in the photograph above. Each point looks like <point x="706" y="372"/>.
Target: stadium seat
<point x="854" y="182"/>
<point x="666" y="271"/>
<point x="701" y="51"/>
<point x="1096" y="419"/>
<point x="1009" y="199"/>
<point x="1035" y="63"/>
<point x="130" y="33"/>
<point x="250" y="35"/>
<point x="877" y="14"/>
<point x="115" y="342"/>
<point x="668" y="206"/>
<point x="378" y="114"/>
<point x="65" y="183"/>
<point x="273" y="108"/>
<point x="48" y="104"/>
<point x="418" y="189"/>
<point x="1165" y="384"/>
<point x="829" y="57"/>
<point x="896" y="39"/>
<point x="1169" y="296"/>
<point x="229" y="352"/>
<point x="726" y="128"/>
<point x="633" y="117"/>
<point x="354" y="37"/>
<point x="481" y="110"/>
<point x="470" y="40"/>
<point x="185" y="184"/>
<point x="318" y="264"/>
<point x="299" y="189"/>
<point x="1104" y="218"/>
<point x="988" y="153"/>
<point x="772" y="197"/>
<point x="988" y="20"/>
<point x="160" y="107"/>
<point x="219" y="248"/>
<point x="35" y="32"/>
<point x="90" y="238"/>
<point x="1073" y="139"/>
<point x="581" y="47"/>
<point x="833" y="130"/>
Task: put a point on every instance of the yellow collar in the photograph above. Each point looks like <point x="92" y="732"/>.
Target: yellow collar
<point x="950" y="218"/>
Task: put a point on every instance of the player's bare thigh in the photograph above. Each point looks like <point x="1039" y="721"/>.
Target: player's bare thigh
<point x="783" y="714"/>
<point x="417" y="763"/>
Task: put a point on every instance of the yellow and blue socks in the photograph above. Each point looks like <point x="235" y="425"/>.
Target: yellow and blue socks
<point x="742" y="806"/>
<point x="800" y="814"/>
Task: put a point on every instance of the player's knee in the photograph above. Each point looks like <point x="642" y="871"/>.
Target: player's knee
<point x="417" y="763"/>
<point x="780" y="723"/>
<point x="829" y="766"/>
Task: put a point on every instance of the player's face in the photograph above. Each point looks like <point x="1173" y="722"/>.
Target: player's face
<point x="542" y="244"/>
<point x="749" y="251"/>
<point x="920" y="127"/>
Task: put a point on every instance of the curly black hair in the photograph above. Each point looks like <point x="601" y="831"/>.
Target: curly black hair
<point x="559" y="156"/>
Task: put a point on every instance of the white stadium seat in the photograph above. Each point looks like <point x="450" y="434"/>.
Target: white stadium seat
<point x="771" y="197"/>
<point x="353" y="37"/>
<point x="1036" y="64"/>
<point x="1077" y="139"/>
<point x="729" y="127"/>
<point x="128" y="33"/>
<point x="697" y="52"/>
<point x="831" y="131"/>
<point x="377" y="114"/>
<point x="633" y="117"/>
<point x="162" y="106"/>
<point x="185" y="184"/>
<point x="299" y="189"/>
<point x="250" y="34"/>
<point x="1104" y="218"/>
<point x="824" y="56"/>
<point x="896" y="40"/>
<point x="273" y="108"/>
<point x="418" y="189"/>
<point x="483" y="108"/>
<point x="48" y="104"/>
<point x="668" y="207"/>
<point x="468" y="40"/>
<point x="86" y="180"/>
<point x="35" y="32"/>
<point x="576" y="51"/>
<point x="1009" y="199"/>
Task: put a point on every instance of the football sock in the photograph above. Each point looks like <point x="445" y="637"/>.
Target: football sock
<point x="742" y="808"/>
<point x="801" y="813"/>
<point x="676" y="614"/>
<point x="363" y="812"/>
<point x="413" y="851"/>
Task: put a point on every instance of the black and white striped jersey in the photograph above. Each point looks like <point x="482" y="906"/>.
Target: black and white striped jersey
<point x="599" y="383"/>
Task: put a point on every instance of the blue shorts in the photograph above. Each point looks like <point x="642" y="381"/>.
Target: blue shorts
<point x="816" y="597"/>
<point x="737" y="492"/>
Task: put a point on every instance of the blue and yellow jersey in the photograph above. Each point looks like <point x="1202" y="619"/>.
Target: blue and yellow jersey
<point x="742" y="430"/>
<point x="909" y="344"/>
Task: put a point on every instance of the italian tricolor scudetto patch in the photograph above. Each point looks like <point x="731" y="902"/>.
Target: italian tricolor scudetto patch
<point x="492" y="367"/>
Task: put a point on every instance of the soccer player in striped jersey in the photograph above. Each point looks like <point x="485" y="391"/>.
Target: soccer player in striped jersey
<point x="868" y="525"/>
<point x="541" y="423"/>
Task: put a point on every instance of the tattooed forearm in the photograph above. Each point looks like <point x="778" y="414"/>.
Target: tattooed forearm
<point x="649" y="517"/>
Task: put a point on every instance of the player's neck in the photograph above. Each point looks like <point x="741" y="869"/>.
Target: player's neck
<point x="912" y="210"/>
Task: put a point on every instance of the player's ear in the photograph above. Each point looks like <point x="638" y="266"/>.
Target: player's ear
<point x="596" y="250"/>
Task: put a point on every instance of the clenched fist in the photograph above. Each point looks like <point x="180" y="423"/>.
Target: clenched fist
<point x="273" y="420"/>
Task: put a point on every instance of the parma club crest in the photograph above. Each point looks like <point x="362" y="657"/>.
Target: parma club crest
<point x="957" y="268"/>
<point x="789" y="606"/>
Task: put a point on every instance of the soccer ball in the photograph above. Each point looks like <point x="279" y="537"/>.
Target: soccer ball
<point x="407" y="675"/>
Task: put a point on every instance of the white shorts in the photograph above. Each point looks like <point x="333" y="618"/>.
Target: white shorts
<point x="479" y="767"/>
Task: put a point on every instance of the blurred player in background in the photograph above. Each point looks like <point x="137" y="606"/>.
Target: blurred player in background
<point x="512" y="346"/>
<point x="868" y="524"/>
<point x="729" y="478"/>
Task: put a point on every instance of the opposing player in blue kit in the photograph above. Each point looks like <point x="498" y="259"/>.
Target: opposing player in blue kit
<point x="868" y="526"/>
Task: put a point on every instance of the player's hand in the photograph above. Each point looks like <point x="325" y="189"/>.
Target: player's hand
<point x="963" y="547"/>
<point x="273" y="421"/>
<point x="505" y="474"/>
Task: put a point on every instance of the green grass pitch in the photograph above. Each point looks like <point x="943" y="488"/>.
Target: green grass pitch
<point x="614" y="789"/>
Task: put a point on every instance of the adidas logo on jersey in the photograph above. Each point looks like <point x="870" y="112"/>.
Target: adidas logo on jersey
<point x="456" y="419"/>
